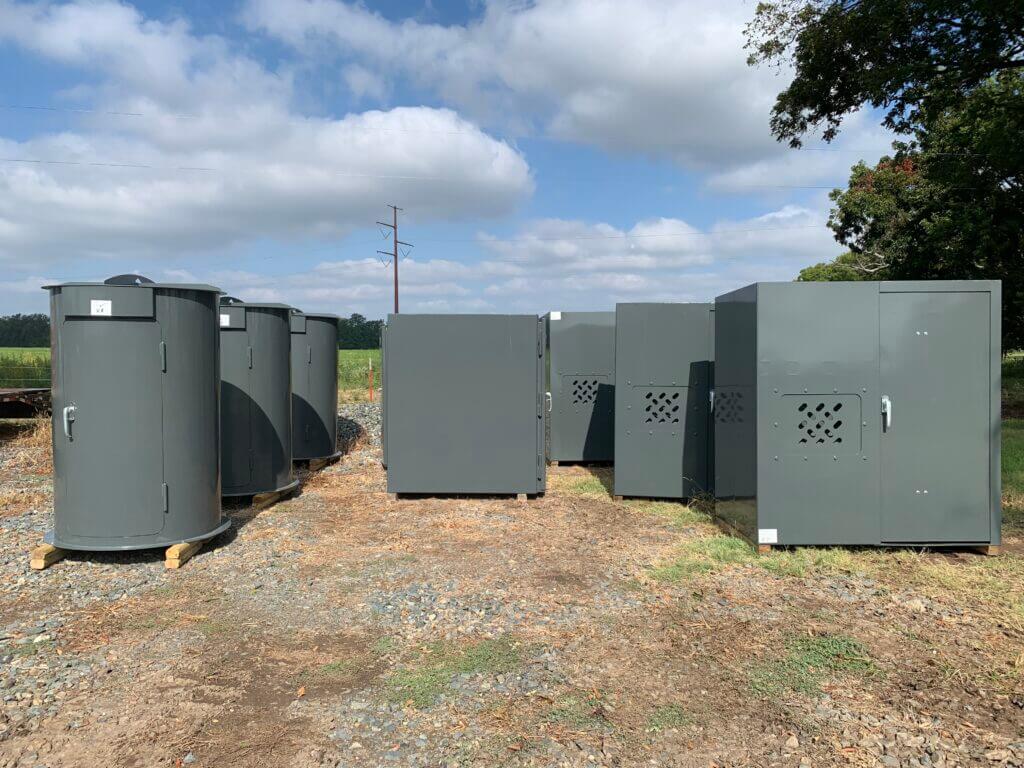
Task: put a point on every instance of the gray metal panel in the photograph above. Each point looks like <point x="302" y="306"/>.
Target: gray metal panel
<point x="463" y="403"/>
<point x="817" y="438"/>
<point x="663" y="359"/>
<point x="825" y="354"/>
<point x="314" y="358"/>
<point x="256" y="416"/>
<point x="937" y="376"/>
<point x="108" y="301"/>
<point x="129" y="477"/>
<point x="735" y="409"/>
<point x="581" y="364"/>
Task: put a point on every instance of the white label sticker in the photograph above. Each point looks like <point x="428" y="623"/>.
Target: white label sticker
<point x="767" y="535"/>
<point x="225" y="320"/>
<point x="556" y="315"/>
<point x="101" y="307"/>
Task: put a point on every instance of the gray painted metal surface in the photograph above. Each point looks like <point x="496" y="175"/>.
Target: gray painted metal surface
<point x="859" y="413"/>
<point x="463" y="403"/>
<point x="581" y="384"/>
<point x="314" y="385"/>
<point x="663" y="373"/>
<point x="256" y="397"/>
<point x="136" y="420"/>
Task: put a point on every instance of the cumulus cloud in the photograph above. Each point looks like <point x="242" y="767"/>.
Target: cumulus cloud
<point x="656" y="77"/>
<point x="565" y="264"/>
<point x="209" y="150"/>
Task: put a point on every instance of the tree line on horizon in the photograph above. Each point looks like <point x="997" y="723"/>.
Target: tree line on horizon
<point x="33" y="330"/>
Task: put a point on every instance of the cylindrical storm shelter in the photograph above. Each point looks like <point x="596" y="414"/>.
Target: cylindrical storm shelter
<point x="314" y="385"/>
<point x="256" y="397"/>
<point x="136" y="414"/>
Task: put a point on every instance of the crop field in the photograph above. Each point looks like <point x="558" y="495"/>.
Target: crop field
<point x="30" y="367"/>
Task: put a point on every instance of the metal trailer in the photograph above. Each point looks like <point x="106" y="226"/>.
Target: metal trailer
<point x="663" y="374"/>
<point x="581" y="385"/>
<point x="859" y="413"/>
<point x="314" y="385"/>
<point x="464" y="409"/>
<point x="136" y="377"/>
<point x="256" y="398"/>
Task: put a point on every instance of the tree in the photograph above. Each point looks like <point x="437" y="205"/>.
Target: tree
<point x="950" y="203"/>
<point x="900" y="56"/>
<point x="842" y="268"/>
<point x="25" y="331"/>
<point x="357" y="332"/>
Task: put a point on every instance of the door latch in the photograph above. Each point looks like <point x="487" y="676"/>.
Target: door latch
<point x="547" y="399"/>
<point x="886" y="412"/>
<point x="69" y="419"/>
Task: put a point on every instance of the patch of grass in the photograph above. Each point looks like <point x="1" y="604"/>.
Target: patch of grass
<point x="678" y="514"/>
<point x="704" y="556"/>
<point x="1013" y="382"/>
<point x="422" y="684"/>
<point x="30" y="649"/>
<point x="807" y="662"/>
<point x="382" y="646"/>
<point x="332" y="670"/>
<point x="213" y="627"/>
<point x="1013" y="472"/>
<point x="667" y="717"/>
<point x="586" y="486"/>
<point x="804" y="560"/>
<point x="24" y="366"/>
<point x="576" y="712"/>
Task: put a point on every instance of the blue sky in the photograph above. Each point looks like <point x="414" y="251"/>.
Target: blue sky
<point x="558" y="154"/>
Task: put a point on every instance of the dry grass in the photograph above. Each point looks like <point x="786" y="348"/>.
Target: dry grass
<point x="29" y="450"/>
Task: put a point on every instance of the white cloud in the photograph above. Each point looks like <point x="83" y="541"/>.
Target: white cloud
<point x="666" y="78"/>
<point x="564" y="265"/>
<point x="278" y="174"/>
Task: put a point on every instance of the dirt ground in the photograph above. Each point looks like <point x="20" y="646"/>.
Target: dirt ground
<point x="344" y="628"/>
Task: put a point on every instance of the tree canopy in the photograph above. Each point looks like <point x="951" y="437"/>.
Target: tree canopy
<point x="899" y="56"/>
<point x="948" y="204"/>
<point x="356" y="332"/>
<point x="25" y="331"/>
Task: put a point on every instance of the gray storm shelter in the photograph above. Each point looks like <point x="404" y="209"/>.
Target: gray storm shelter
<point x="859" y="413"/>
<point x="314" y="385"/>
<point x="256" y="397"/>
<point x="463" y="404"/>
<point x="136" y="374"/>
<point x="581" y="384"/>
<point x="664" y="357"/>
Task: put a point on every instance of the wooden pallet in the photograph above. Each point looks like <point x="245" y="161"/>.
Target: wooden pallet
<point x="269" y="499"/>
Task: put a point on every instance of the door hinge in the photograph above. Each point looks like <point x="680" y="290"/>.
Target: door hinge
<point x="164" y="494"/>
<point x="249" y="355"/>
<point x="309" y="355"/>
<point x="163" y="356"/>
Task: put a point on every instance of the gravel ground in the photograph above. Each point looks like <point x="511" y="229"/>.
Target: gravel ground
<point x="344" y="628"/>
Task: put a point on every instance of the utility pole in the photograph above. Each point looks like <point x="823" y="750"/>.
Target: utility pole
<point x="395" y="243"/>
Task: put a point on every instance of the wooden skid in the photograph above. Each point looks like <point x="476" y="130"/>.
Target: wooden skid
<point x="264" y="500"/>
<point x="45" y="555"/>
<point x="315" y="465"/>
<point x="989" y="550"/>
<point x="179" y="554"/>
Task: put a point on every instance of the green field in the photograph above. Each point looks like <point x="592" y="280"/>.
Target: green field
<point x="30" y="367"/>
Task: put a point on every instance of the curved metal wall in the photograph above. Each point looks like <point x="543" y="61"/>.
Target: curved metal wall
<point x="256" y="409"/>
<point x="136" y="373"/>
<point x="314" y="386"/>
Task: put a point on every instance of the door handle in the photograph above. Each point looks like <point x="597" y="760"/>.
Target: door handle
<point x="248" y="355"/>
<point x="547" y="398"/>
<point x="68" y="418"/>
<point x="887" y="412"/>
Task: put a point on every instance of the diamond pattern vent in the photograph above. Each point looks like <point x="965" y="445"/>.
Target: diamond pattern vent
<point x="820" y="422"/>
<point x="729" y="407"/>
<point x="583" y="391"/>
<point x="661" y="407"/>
